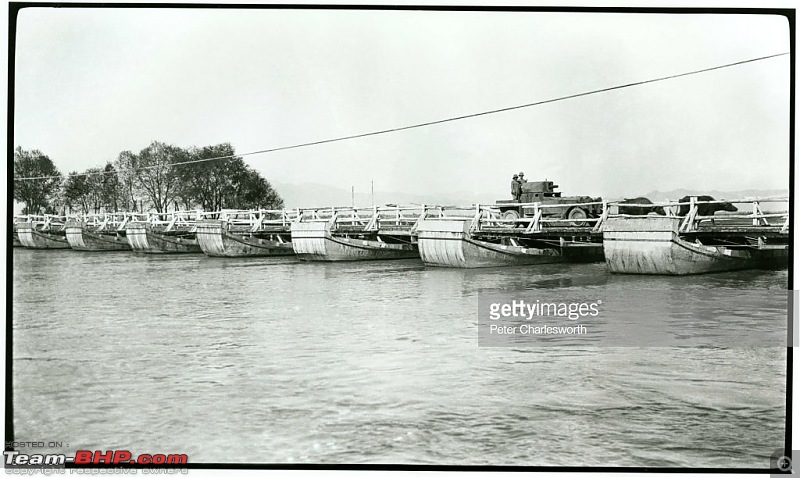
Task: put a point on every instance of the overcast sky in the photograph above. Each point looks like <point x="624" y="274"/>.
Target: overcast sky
<point x="93" y="82"/>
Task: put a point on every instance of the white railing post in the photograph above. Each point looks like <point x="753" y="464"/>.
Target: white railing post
<point x="535" y="224"/>
<point x="124" y="222"/>
<point x="421" y="217"/>
<point x="171" y="223"/>
<point x="688" y="222"/>
<point x="758" y="215"/>
<point x="371" y="223"/>
<point x="332" y="220"/>
<point x="599" y="224"/>
<point x="475" y="225"/>
<point x="258" y="219"/>
<point x="103" y="224"/>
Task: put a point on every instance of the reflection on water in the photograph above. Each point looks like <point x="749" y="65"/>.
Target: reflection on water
<point x="280" y="361"/>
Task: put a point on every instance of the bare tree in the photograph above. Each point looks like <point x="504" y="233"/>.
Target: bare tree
<point x="126" y="164"/>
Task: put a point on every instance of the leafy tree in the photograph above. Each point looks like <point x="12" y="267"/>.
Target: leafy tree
<point x="58" y="204"/>
<point x="37" y="194"/>
<point x="111" y="189"/>
<point x="95" y="180"/>
<point x="155" y="175"/>
<point x="223" y="183"/>
<point x="255" y="192"/>
<point x="95" y="190"/>
<point x="76" y="192"/>
<point x="207" y="183"/>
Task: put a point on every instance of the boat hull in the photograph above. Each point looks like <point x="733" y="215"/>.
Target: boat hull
<point x="652" y="245"/>
<point x="217" y="240"/>
<point x="35" y="239"/>
<point x="448" y="243"/>
<point x="81" y="239"/>
<point x="147" y="239"/>
<point x="15" y="242"/>
<point x="314" y="241"/>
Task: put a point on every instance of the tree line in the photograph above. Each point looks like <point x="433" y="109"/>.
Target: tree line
<point x="148" y="180"/>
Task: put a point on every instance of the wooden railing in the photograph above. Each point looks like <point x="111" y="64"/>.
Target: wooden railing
<point x="481" y="216"/>
<point x="487" y="216"/>
<point x="44" y="222"/>
<point x="692" y="219"/>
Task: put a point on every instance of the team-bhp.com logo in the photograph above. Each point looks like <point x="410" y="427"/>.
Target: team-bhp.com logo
<point x="83" y="457"/>
<point x="86" y="457"/>
<point x="15" y="458"/>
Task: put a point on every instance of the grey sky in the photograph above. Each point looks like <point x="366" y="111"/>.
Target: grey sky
<point x="92" y="82"/>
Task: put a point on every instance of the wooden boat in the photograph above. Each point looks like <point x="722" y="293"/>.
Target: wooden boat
<point x="43" y="232"/>
<point x="244" y="234"/>
<point x="15" y="242"/>
<point x="356" y="234"/>
<point x="655" y="245"/>
<point x="451" y="243"/>
<point x="314" y="241"/>
<point x="98" y="232"/>
<point x="168" y="233"/>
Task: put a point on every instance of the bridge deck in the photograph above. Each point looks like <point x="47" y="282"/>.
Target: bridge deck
<point x="547" y="231"/>
<point x="736" y="230"/>
<point x="703" y="231"/>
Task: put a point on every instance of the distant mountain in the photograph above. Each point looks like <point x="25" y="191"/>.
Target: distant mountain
<point x="320" y="195"/>
<point x="676" y="194"/>
<point x="741" y="194"/>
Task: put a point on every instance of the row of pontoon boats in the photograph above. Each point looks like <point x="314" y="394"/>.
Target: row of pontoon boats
<point x="478" y="236"/>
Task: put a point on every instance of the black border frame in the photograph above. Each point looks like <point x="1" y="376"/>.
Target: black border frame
<point x="13" y="13"/>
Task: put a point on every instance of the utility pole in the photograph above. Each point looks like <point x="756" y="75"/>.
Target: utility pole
<point x="372" y="187"/>
<point x="353" y="197"/>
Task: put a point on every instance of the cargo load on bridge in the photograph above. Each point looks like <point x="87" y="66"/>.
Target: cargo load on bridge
<point x="544" y="192"/>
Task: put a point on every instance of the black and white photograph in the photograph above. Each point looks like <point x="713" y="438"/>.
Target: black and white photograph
<point x="399" y="237"/>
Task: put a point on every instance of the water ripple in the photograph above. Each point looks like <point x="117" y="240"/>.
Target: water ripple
<point x="280" y="361"/>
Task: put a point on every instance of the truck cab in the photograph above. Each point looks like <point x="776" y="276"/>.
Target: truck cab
<point x="544" y="192"/>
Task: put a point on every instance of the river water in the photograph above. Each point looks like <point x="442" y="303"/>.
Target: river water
<point x="279" y="361"/>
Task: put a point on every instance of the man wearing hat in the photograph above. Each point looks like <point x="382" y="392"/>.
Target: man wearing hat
<point x="522" y="178"/>
<point x="516" y="189"/>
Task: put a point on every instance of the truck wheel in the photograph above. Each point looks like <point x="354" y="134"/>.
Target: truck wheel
<point x="511" y="214"/>
<point x="577" y="215"/>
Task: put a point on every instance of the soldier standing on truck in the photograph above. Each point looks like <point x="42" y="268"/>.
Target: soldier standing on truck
<point x="516" y="188"/>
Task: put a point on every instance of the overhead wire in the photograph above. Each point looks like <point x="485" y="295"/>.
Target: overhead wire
<point x="421" y="125"/>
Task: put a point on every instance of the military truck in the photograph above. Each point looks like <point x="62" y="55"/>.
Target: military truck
<point x="544" y="192"/>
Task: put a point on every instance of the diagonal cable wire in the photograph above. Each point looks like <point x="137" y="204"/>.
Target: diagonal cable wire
<point x="431" y="123"/>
